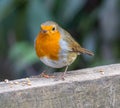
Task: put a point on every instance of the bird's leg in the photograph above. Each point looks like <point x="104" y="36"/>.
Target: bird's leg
<point x="63" y="75"/>
<point x="43" y="74"/>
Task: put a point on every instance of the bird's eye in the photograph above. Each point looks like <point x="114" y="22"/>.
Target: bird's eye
<point x="53" y="29"/>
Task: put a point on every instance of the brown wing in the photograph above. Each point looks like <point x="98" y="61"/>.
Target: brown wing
<point x="74" y="46"/>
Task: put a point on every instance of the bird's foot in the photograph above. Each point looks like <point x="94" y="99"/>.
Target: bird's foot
<point x="60" y="77"/>
<point x="46" y="76"/>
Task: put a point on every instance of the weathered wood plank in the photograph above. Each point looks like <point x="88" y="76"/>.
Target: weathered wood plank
<point x="86" y="88"/>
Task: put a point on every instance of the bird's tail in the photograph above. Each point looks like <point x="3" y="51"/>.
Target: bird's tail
<point x="85" y="51"/>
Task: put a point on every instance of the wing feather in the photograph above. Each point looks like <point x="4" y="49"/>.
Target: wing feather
<point x="73" y="45"/>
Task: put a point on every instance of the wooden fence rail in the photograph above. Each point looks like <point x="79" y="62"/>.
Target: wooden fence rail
<point x="97" y="87"/>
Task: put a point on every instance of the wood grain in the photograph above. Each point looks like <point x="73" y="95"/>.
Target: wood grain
<point x="97" y="87"/>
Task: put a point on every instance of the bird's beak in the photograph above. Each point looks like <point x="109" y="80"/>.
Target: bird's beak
<point x="44" y="31"/>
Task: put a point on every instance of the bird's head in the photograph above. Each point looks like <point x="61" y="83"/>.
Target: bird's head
<point x="49" y="28"/>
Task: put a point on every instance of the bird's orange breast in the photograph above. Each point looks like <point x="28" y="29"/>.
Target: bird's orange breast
<point x="47" y="45"/>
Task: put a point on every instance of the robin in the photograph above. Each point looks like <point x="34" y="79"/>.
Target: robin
<point x="56" y="48"/>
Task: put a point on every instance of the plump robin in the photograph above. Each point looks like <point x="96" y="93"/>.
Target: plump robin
<point x="55" y="46"/>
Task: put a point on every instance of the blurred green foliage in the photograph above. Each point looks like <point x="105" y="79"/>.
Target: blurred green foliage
<point x="94" y="23"/>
